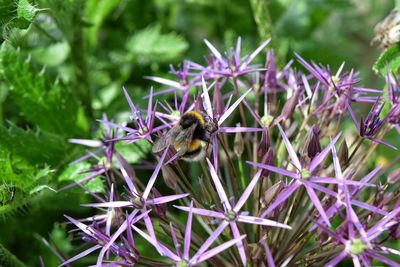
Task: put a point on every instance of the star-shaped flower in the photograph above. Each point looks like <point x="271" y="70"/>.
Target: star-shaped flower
<point x="231" y="215"/>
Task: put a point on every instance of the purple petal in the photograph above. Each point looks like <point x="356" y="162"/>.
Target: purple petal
<point x="127" y="178"/>
<point x="382" y="142"/>
<point x="81" y="255"/>
<point x="114" y="204"/>
<point x="153" y="177"/>
<point x="87" y="178"/>
<point x="214" y="235"/>
<point x="130" y="103"/>
<point x="86" y="142"/>
<point x="330" y="180"/>
<point x="270" y="259"/>
<point x="164" y="81"/>
<point x="132" y="219"/>
<point x="247" y="192"/>
<point x="155" y="243"/>
<point x="110" y="211"/>
<point x="175" y="240"/>
<point x="214" y="51"/>
<point x="239" y="245"/>
<point x="203" y="212"/>
<point x="290" y="149"/>
<point x="206" y="99"/>
<point x="229" y="111"/>
<point x="353" y="117"/>
<point x="368" y="207"/>
<point x="274" y="169"/>
<point x="383" y="259"/>
<point x="261" y="221"/>
<point x="84" y="228"/>
<point x="285" y="194"/>
<point x="314" y="198"/>
<point x="219" y="187"/>
<point x="254" y="54"/>
<point x="161" y="200"/>
<point x="337" y="259"/>
<point x="188" y="232"/>
<point x="212" y="252"/>
<point x="379" y="227"/>
<point x="321" y="156"/>
<point x="239" y="129"/>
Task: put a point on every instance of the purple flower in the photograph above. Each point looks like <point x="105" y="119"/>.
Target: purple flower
<point x="182" y="259"/>
<point x="303" y="176"/>
<point x="358" y="242"/>
<point x="231" y="215"/>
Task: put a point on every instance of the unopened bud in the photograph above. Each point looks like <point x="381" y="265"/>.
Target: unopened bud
<point x="394" y="176"/>
<point x="205" y="193"/>
<point x="314" y="147"/>
<point x="169" y="177"/>
<point x="160" y="209"/>
<point x="343" y="154"/>
<point x="264" y="144"/>
<point x="270" y="194"/>
<point x="238" y="145"/>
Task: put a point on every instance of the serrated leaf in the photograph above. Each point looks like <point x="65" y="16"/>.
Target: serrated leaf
<point x="74" y="172"/>
<point x="95" y="185"/>
<point x="152" y="46"/>
<point x="26" y="12"/>
<point x="50" y="105"/>
<point x="390" y="58"/>
<point x="18" y="180"/>
<point x="77" y="172"/>
<point x="37" y="147"/>
<point x="134" y="152"/>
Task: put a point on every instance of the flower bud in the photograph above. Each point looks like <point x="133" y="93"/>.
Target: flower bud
<point x="270" y="194"/>
<point x="314" y="146"/>
<point x="169" y="177"/>
<point x="160" y="209"/>
<point x="394" y="177"/>
<point x="343" y="153"/>
<point x="238" y="144"/>
<point x="265" y="143"/>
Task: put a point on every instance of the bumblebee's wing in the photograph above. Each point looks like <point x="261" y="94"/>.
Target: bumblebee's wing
<point x="164" y="140"/>
<point x="183" y="139"/>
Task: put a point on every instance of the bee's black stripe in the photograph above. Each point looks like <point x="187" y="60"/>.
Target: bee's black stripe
<point x="193" y="152"/>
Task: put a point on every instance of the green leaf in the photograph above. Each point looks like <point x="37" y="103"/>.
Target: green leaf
<point x="74" y="172"/>
<point x="19" y="181"/>
<point x="50" y="105"/>
<point x="26" y="12"/>
<point x="390" y="58"/>
<point x="60" y="237"/>
<point x="37" y="147"/>
<point x="77" y="171"/>
<point x="151" y="46"/>
<point x="134" y="152"/>
<point x="96" y="12"/>
<point x="51" y="55"/>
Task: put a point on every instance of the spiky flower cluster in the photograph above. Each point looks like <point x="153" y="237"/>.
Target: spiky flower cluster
<point x="279" y="185"/>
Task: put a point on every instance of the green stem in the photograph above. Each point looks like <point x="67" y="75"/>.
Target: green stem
<point x="262" y="18"/>
<point x="78" y="56"/>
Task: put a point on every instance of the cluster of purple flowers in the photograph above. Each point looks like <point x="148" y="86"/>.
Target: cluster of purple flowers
<point x="272" y="190"/>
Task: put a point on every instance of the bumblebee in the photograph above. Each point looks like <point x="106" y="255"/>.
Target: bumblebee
<point x="189" y="136"/>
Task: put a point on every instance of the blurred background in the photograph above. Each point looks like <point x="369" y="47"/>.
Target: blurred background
<point x="63" y="63"/>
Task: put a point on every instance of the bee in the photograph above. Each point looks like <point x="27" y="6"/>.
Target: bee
<point x="189" y="136"/>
